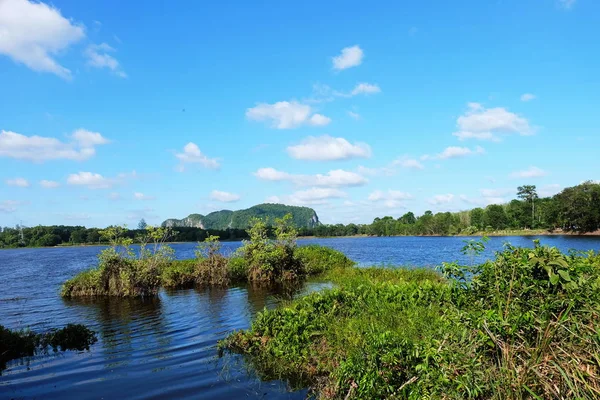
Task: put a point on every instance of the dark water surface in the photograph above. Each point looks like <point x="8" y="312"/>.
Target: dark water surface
<point x="165" y="347"/>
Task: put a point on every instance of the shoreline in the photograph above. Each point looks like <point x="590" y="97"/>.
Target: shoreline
<point x="505" y="233"/>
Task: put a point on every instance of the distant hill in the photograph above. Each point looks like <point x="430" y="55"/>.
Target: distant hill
<point x="302" y="217"/>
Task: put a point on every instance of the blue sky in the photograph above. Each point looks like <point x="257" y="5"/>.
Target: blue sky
<point x="111" y="112"/>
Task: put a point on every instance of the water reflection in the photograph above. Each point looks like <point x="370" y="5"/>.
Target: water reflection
<point x="125" y="326"/>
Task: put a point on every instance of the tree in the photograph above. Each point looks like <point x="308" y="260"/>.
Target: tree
<point x="495" y="216"/>
<point x="529" y="194"/>
<point x="142" y="224"/>
<point x="408" y="218"/>
<point x="477" y="217"/>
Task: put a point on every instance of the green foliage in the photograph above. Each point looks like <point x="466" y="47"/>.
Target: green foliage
<point x="212" y="265"/>
<point x="179" y="274"/>
<point x="271" y="260"/>
<point x="521" y="326"/>
<point x="120" y="271"/>
<point x="18" y="344"/>
<point x="238" y="269"/>
<point x="317" y="259"/>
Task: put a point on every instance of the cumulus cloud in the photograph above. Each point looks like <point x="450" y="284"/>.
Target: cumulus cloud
<point x="20" y="182"/>
<point x="33" y="33"/>
<point x="487" y="124"/>
<point x="365" y="88"/>
<point x="98" y="57"/>
<point x="531" y="172"/>
<point x="286" y="115"/>
<point x="142" y="196"/>
<point x="409" y="163"/>
<point x="49" y="184"/>
<point x="454" y="152"/>
<point x="224" y="197"/>
<point x="334" y="178"/>
<point x="327" y="148"/>
<point x="39" y="148"/>
<point x="549" y="190"/>
<point x="349" y="57"/>
<point x="390" y="198"/>
<point x="385" y="171"/>
<point x="528" y="97"/>
<point x="353" y="115"/>
<point x="90" y="180"/>
<point x="314" y="196"/>
<point x="192" y="155"/>
<point x="441" y="199"/>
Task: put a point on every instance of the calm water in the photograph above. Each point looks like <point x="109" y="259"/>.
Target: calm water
<point x="165" y="347"/>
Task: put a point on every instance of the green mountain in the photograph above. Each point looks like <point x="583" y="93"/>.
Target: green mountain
<point x="302" y="216"/>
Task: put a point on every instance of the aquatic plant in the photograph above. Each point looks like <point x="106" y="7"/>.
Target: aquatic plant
<point x="25" y="343"/>
<point x="122" y="272"/>
<point x="521" y="326"/>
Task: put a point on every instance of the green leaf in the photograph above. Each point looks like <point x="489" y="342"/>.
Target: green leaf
<point x="564" y="274"/>
<point x="554" y="279"/>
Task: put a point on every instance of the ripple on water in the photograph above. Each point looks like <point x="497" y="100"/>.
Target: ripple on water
<point x="165" y="347"/>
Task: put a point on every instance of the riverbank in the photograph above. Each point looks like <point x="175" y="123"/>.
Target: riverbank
<point x="522" y="327"/>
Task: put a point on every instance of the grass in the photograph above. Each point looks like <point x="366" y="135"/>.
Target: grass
<point x="523" y="326"/>
<point x="19" y="344"/>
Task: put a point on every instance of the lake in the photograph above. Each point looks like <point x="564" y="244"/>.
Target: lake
<point x="166" y="347"/>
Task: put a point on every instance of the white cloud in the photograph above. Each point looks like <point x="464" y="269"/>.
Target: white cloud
<point x="531" y="172"/>
<point x="365" y="88"/>
<point x="566" y="4"/>
<point x="482" y="201"/>
<point x="9" y="206"/>
<point x="142" y="196"/>
<point x="409" y="163"/>
<point x="32" y="33"/>
<point x="385" y="171"/>
<point x="40" y="148"/>
<point x="486" y="124"/>
<point x="441" y="199"/>
<point x="98" y="57"/>
<point x="326" y="148"/>
<point x="192" y="155"/>
<point x="224" y="197"/>
<point x="334" y="178"/>
<point x="273" y="200"/>
<point x="76" y="216"/>
<point x="90" y="180"/>
<point x="286" y="115"/>
<point x="528" y="97"/>
<point x="396" y="195"/>
<point x="314" y="196"/>
<point x="49" y="184"/>
<point x="114" y="196"/>
<point x="353" y="115"/>
<point x="349" y="57"/>
<point x="20" y="182"/>
<point x="454" y="152"/>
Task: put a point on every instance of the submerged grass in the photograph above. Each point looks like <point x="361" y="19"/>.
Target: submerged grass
<point x="524" y="326"/>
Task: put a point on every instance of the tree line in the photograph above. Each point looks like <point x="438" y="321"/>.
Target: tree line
<point x="575" y="209"/>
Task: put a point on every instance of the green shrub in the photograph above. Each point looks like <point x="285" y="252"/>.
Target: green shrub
<point x="211" y="267"/>
<point x="523" y="326"/>
<point x="237" y="269"/>
<point x="317" y="259"/>
<point x="120" y="271"/>
<point x="179" y="274"/>
<point x="271" y="260"/>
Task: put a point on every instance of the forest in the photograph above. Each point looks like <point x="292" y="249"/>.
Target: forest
<point x="575" y="209"/>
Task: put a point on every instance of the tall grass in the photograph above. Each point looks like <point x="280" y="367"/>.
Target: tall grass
<point x="524" y="326"/>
